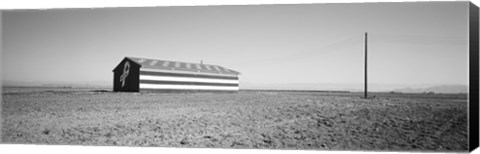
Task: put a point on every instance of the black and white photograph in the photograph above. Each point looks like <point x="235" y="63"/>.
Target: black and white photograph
<point x="371" y="76"/>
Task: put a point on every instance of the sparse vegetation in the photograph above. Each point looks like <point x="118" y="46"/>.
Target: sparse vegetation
<point x="285" y="120"/>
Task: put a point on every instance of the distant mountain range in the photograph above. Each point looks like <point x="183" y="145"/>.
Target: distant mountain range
<point x="436" y="89"/>
<point x="403" y="88"/>
<point x="63" y="84"/>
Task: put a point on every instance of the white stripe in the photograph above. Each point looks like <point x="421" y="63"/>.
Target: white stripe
<point x="217" y="68"/>
<point x="186" y="72"/>
<point x="187" y="87"/>
<point x="153" y="62"/>
<point x="186" y="79"/>
<point x="165" y="63"/>
<point x="208" y="67"/>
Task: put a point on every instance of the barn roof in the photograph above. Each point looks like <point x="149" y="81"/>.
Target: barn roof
<point x="183" y="66"/>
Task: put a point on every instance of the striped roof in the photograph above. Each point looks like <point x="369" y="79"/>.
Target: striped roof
<point x="183" y="66"/>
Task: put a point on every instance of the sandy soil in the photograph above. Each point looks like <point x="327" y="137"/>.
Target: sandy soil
<point x="279" y="120"/>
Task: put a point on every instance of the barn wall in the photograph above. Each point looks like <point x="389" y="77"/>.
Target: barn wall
<point x="131" y="80"/>
<point x="168" y="80"/>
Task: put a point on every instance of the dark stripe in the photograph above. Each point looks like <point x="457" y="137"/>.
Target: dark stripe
<point x="189" y="83"/>
<point x="203" y="67"/>
<point x="147" y="90"/>
<point x="222" y="69"/>
<point x="183" y="65"/>
<point x="186" y="75"/>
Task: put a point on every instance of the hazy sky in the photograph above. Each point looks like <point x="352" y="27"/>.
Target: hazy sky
<point x="409" y="43"/>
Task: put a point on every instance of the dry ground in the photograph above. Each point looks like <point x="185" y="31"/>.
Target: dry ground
<point x="283" y="120"/>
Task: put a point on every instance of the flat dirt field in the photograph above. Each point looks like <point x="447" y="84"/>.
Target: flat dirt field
<point x="247" y="119"/>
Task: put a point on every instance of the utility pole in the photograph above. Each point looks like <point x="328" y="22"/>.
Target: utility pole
<point x="365" y="91"/>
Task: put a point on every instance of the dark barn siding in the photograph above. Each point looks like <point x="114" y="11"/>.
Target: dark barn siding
<point x="131" y="81"/>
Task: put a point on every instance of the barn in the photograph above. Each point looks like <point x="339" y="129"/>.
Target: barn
<point x="142" y="74"/>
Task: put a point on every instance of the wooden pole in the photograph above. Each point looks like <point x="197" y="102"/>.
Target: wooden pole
<point x="365" y="91"/>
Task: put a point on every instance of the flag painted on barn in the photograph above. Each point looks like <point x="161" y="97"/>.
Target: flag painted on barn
<point x="142" y="74"/>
